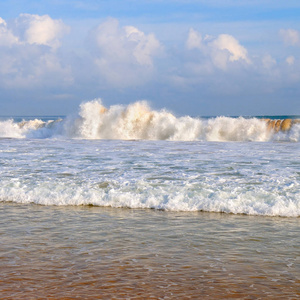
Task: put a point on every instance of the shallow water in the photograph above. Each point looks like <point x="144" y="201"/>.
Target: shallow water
<point x="175" y="214"/>
<point x="241" y="177"/>
<point x="102" y="253"/>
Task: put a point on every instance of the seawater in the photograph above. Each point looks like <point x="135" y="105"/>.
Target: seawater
<point x="241" y="177"/>
<point x="127" y="202"/>
<point x="70" y="252"/>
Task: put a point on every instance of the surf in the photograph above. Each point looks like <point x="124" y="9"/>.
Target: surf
<point x="138" y="121"/>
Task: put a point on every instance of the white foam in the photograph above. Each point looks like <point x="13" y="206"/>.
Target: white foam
<point x="30" y="129"/>
<point x="168" y="196"/>
<point x="246" y="178"/>
<point x="138" y="121"/>
<point x="10" y="129"/>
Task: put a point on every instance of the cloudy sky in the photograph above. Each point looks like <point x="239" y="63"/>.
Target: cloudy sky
<point x="216" y="57"/>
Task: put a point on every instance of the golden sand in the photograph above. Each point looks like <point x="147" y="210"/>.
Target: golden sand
<point x="129" y="280"/>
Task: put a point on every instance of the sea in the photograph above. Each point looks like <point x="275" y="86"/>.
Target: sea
<point x="127" y="202"/>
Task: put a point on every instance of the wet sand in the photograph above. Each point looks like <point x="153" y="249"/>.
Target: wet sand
<point x="102" y="253"/>
<point x="137" y="281"/>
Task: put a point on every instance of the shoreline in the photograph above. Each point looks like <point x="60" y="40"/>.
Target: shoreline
<point x="110" y="253"/>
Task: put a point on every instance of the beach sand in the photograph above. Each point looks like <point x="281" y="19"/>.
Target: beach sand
<point x="103" y="253"/>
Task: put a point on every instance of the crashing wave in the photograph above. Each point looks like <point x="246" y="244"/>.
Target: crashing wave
<point x="139" y="121"/>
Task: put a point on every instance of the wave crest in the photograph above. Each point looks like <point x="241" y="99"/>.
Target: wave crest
<point x="138" y="121"/>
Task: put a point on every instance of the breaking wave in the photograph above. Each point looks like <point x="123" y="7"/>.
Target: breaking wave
<point x="139" y="121"/>
<point x="168" y="196"/>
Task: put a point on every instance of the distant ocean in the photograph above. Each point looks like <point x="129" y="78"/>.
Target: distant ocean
<point x="128" y="202"/>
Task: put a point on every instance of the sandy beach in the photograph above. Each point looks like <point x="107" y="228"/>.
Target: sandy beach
<point x="105" y="253"/>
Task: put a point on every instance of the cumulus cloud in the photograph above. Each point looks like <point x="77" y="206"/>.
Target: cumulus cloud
<point x="290" y="37"/>
<point x="41" y="30"/>
<point x="125" y="60"/>
<point x="24" y="59"/>
<point x="121" y="52"/>
<point x="7" y="38"/>
<point x="221" y="49"/>
<point x="229" y="43"/>
<point x="125" y="44"/>
<point x="194" y="40"/>
<point x="146" y="46"/>
<point x="205" y="56"/>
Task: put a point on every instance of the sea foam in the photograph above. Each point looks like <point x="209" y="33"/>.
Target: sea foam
<point x="242" y="178"/>
<point x="218" y="195"/>
<point x="137" y="121"/>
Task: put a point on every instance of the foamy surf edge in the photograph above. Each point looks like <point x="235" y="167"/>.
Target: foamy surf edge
<point x="167" y="197"/>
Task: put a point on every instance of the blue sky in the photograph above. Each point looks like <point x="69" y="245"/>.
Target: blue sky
<point x="191" y="57"/>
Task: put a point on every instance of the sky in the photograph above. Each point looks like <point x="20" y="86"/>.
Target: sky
<point x="198" y="58"/>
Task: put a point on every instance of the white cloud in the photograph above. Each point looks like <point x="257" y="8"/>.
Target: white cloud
<point x="220" y="50"/>
<point x="41" y="30"/>
<point x="126" y="60"/>
<point x="146" y="46"/>
<point x="194" y="40"/>
<point x="229" y="43"/>
<point x="124" y="55"/>
<point x="125" y="44"/>
<point x="290" y="60"/>
<point x="290" y="37"/>
<point x="7" y="38"/>
<point x="25" y="61"/>
<point x="33" y="30"/>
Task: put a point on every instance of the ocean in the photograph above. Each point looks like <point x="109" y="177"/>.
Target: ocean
<point x="127" y="202"/>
